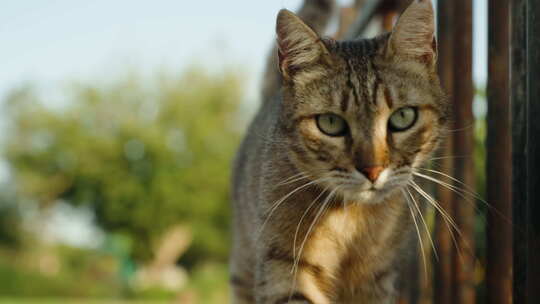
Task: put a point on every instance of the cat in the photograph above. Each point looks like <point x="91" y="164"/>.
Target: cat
<point x="322" y="212"/>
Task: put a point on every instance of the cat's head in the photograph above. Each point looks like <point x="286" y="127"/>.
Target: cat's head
<point x="359" y="116"/>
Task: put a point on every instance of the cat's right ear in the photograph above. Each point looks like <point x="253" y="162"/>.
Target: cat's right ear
<point x="413" y="36"/>
<point x="299" y="46"/>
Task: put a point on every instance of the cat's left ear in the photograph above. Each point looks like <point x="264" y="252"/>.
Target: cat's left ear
<point x="299" y="47"/>
<point x="413" y="36"/>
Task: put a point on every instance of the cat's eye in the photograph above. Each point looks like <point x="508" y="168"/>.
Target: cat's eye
<point x="402" y="119"/>
<point x="331" y="124"/>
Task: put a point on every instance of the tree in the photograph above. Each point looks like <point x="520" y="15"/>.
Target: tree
<point x="145" y="155"/>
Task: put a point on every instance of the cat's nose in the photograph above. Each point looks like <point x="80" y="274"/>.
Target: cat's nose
<point x="372" y="172"/>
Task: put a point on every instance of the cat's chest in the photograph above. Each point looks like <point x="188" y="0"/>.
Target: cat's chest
<point x="355" y="247"/>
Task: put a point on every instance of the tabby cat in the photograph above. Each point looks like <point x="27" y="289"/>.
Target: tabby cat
<point x="322" y="208"/>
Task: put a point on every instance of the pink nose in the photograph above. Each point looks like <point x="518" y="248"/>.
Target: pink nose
<point x="372" y="173"/>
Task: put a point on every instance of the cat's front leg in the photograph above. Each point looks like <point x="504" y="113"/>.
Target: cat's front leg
<point x="278" y="281"/>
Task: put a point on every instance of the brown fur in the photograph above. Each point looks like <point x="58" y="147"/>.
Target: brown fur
<point x="317" y="14"/>
<point x="309" y="227"/>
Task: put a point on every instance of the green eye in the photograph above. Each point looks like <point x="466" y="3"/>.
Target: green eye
<point x="331" y="124"/>
<point x="402" y="119"/>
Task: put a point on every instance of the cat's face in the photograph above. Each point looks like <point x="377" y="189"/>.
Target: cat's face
<point x="361" y="116"/>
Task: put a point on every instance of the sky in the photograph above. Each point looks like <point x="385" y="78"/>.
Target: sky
<point x="50" y="43"/>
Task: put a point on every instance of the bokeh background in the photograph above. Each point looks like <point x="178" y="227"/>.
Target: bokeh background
<point x="118" y="124"/>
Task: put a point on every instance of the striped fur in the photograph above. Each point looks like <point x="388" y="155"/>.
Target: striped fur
<point x="309" y="227"/>
<point x="317" y="14"/>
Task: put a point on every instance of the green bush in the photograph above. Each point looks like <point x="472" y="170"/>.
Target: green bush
<point x="144" y="155"/>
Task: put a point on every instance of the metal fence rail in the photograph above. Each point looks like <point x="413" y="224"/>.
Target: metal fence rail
<point x="513" y="151"/>
<point x="499" y="159"/>
<point x="525" y="77"/>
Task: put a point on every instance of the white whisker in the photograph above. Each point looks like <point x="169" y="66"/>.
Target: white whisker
<point x="302" y="219"/>
<point x="293" y="178"/>
<point x="425" y="224"/>
<point x="462" y="192"/>
<point x="447" y="218"/>
<point x="417" y="231"/>
<point x="434" y="204"/>
<point x="276" y="204"/>
<point x="446" y="157"/>
<point x="451" y="187"/>
<point x="294" y="269"/>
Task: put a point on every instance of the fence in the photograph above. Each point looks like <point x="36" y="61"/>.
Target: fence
<point x="512" y="267"/>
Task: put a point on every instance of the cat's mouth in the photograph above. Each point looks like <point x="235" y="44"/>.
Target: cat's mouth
<point x="369" y="196"/>
<point x="358" y="189"/>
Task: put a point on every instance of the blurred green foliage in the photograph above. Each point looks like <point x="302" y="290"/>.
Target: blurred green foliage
<point x="10" y="233"/>
<point x="144" y="155"/>
<point x="73" y="273"/>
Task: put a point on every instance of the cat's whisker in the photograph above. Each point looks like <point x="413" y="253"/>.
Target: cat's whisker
<point x="435" y="204"/>
<point x="463" y="193"/>
<point x="323" y="205"/>
<point x="417" y="231"/>
<point x="302" y="219"/>
<point x="303" y="173"/>
<point x="450" y="186"/>
<point x="300" y="173"/>
<point x="425" y="224"/>
<point x="397" y="178"/>
<point x="450" y="156"/>
<point x="294" y="269"/>
<point x="297" y="177"/>
<point x="348" y="183"/>
<point x="276" y="204"/>
<point x="344" y="211"/>
<point x="446" y="217"/>
<point x="437" y="161"/>
<point x="467" y="190"/>
<point x="401" y="170"/>
<point x="393" y="183"/>
<point x="461" y="129"/>
<point x="448" y="176"/>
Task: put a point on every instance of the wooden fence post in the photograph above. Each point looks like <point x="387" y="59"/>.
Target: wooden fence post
<point x="498" y="168"/>
<point x="533" y="151"/>
<point x="443" y="268"/>
<point x="518" y="80"/>
<point x="464" y="262"/>
<point x="525" y="78"/>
